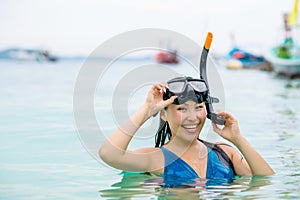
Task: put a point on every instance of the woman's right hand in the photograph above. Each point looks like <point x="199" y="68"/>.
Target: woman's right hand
<point x="154" y="102"/>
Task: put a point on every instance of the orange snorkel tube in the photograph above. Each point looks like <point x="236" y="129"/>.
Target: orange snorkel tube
<point x="209" y="108"/>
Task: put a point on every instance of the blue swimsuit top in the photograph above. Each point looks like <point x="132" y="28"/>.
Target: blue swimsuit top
<point x="177" y="171"/>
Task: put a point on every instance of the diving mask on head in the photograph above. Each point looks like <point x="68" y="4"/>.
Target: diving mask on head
<point x="187" y="88"/>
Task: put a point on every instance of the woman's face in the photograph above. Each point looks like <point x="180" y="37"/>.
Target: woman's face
<point x="186" y="120"/>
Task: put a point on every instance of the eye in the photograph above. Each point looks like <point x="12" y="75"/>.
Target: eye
<point x="181" y="108"/>
<point x="199" y="107"/>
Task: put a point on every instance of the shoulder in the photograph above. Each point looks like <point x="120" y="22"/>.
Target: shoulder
<point x="222" y="149"/>
<point x="151" y="153"/>
<point x="229" y="150"/>
<point x="220" y="145"/>
<point x="241" y="167"/>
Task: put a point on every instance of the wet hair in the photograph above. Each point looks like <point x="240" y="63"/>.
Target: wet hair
<point x="163" y="134"/>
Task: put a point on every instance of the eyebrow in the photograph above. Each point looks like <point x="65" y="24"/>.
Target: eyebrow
<point x="193" y="104"/>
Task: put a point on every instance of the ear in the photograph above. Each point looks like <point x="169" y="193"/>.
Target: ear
<point x="163" y="114"/>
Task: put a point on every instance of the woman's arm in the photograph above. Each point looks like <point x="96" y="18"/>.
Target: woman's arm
<point x="114" y="150"/>
<point x="240" y="165"/>
<point x="232" y="133"/>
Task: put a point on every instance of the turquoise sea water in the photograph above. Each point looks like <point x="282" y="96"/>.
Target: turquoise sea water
<point x="42" y="156"/>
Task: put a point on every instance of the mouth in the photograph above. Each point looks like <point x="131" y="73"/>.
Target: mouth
<point x="190" y="128"/>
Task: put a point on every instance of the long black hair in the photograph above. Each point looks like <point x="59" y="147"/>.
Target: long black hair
<point x="163" y="133"/>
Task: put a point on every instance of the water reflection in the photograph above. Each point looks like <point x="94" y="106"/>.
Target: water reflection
<point x="131" y="185"/>
<point x="138" y="185"/>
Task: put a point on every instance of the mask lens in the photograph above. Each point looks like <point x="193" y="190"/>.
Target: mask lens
<point x="176" y="87"/>
<point x="199" y="86"/>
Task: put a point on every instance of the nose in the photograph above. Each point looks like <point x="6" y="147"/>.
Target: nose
<point x="192" y="115"/>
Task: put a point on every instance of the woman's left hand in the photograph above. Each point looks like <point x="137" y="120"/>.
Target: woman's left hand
<point x="230" y="131"/>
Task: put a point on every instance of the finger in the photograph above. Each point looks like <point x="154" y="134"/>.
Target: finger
<point x="226" y="116"/>
<point x="221" y="114"/>
<point x="158" y="88"/>
<point x="163" y="87"/>
<point x="169" y="101"/>
<point x="217" y="129"/>
<point x="162" y="84"/>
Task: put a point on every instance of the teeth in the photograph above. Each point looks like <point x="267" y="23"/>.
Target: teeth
<point x="190" y="126"/>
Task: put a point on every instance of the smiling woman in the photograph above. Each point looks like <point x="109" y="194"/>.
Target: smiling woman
<point x="179" y="154"/>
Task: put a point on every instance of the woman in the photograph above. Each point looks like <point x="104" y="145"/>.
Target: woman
<point x="183" y="157"/>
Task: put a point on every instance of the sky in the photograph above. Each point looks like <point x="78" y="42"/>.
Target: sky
<point x="77" y="27"/>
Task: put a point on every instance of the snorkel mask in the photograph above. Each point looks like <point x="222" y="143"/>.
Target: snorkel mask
<point x="187" y="88"/>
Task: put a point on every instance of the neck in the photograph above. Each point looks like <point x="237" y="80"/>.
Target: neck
<point x="177" y="144"/>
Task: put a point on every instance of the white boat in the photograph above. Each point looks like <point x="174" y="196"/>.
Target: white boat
<point x="285" y="66"/>
<point x="285" y="57"/>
